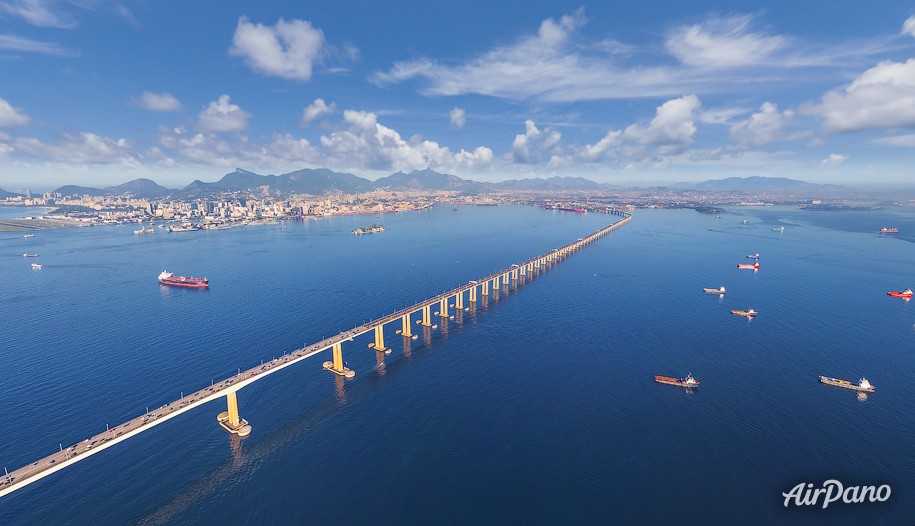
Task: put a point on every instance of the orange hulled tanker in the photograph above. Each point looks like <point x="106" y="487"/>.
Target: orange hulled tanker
<point x="689" y="381"/>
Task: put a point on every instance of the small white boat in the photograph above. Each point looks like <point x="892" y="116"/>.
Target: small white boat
<point x="36" y="266"/>
<point x="753" y="256"/>
<point x="27" y="236"/>
<point x="29" y="255"/>
<point x="719" y="290"/>
<point x="746" y="221"/>
<point x="778" y="229"/>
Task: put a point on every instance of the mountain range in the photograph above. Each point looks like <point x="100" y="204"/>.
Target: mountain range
<point x="322" y="181"/>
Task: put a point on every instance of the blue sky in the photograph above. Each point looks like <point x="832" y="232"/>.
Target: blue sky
<point x="97" y="92"/>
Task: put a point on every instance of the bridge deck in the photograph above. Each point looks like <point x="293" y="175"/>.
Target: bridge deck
<point x="81" y="450"/>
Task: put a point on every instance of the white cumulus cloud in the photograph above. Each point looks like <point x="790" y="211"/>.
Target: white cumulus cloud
<point x="763" y="127"/>
<point x="673" y="124"/>
<point x="834" y="159"/>
<point x="364" y="143"/>
<point x="79" y="148"/>
<point x="315" y="110"/>
<point x="222" y="116"/>
<point x="882" y="97"/>
<point x="10" y="116"/>
<point x="527" y="147"/>
<point x="287" y="49"/>
<point x="908" y="26"/>
<point x="158" y="101"/>
<point x="458" y="117"/>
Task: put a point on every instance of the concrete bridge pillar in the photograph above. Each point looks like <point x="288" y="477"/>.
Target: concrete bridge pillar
<point x="336" y="366"/>
<point x="379" y="340"/>
<point x="427" y="316"/>
<point x="443" y="307"/>
<point x="405" y="324"/>
<point x="485" y="288"/>
<point x="230" y="421"/>
<point x="473" y="294"/>
<point x="459" y="301"/>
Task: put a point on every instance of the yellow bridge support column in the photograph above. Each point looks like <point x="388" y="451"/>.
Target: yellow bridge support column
<point x="443" y="307"/>
<point x="230" y="421"/>
<point x="379" y="340"/>
<point x="486" y="288"/>
<point x="405" y="324"/>
<point x="495" y="282"/>
<point x="515" y="274"/>
<point x="336" y="366"/>
<point x="459" y="301"/>
<point x="473" y="294"/>
<point x="232" y="400"/>
<point x="427" y="316"/>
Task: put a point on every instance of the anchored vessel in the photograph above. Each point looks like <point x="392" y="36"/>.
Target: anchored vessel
<point x="753" y="256"/>
<point x="186" y="227"/>
<point x="27" y="236"/>
<point x="863" y="385"/>
<point x="886" y="230"/>
<point x="144" y="230"/>
<point x="778" y="229"/>
<point x="689" y="381"/>
<point x="36" y="266"/>
<point x="907" y="293"/>
<point x="749" y="313"/>
<point x="368" y="229"/>
<point x="29" y="255"/>
<point x="754" y="266"/>
<point x="167" y="278"/>
<point x="719" y="290"/>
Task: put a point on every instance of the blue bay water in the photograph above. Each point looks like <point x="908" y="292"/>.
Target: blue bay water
<point x="538" y="409"/>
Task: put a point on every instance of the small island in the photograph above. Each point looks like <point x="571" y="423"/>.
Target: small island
<point x="368" y="229"/>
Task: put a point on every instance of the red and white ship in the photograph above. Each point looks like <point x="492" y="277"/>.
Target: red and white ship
<point x="754" y="266"/>
<point x="167" y="278"/>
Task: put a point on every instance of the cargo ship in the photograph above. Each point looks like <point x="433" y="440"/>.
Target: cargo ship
<point x="886" y="230"/>
<point x="907" y="293"/>
<point x="167" y="278"/>
<point x="754" y="266"/>
<point x="368" y="230"/>
<point x="689" y="381"/>
<point x="749" y="313"/>
<point x="863" y="385"/>
<point x="719" y="290"/>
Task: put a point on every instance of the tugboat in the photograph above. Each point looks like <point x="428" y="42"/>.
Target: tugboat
<point x="886" y="230"/>
<point x="167" y="278"/>
<point x="749" y="313"/>
<point x="863" y="385"/>
<point x="754" y="266"/>
<point x="687" y="382"/>
<point x="907" y="293"/>
<point x="719" y="290"/>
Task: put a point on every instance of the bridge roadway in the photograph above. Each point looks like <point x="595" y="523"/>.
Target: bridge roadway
<point x="21" y="477"/>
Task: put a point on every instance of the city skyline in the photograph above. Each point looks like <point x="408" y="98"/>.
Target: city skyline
<point x="611" y="93"/>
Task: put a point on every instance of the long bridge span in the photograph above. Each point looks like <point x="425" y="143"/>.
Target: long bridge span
<point x="476" y="290"/>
